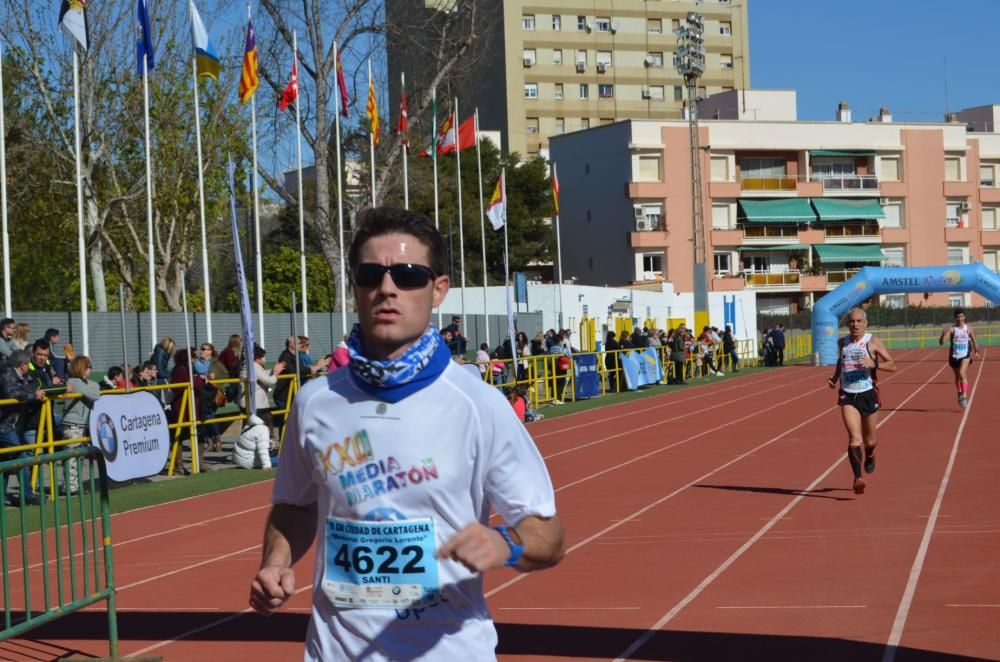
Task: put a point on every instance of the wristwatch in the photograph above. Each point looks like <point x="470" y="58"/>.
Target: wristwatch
<point x="516" y="550"/>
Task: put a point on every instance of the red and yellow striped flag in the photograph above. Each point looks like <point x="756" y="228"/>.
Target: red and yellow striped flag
<point x="555" y="188"/>
<point x="249" y="81"/>
<point x="371" y="110"/>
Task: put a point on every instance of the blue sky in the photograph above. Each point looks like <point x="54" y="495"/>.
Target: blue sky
<point x="874" y="53"/>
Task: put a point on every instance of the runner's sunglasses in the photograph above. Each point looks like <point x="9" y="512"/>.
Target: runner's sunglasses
<point x="405" y="276"/>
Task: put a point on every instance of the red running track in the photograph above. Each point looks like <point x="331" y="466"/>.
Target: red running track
<point x="714" y="523"/>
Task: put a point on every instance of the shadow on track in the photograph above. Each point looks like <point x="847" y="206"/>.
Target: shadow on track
<point x="819" y="493"/>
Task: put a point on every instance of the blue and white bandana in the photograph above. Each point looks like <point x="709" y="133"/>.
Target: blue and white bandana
<point x="396" y="379"/>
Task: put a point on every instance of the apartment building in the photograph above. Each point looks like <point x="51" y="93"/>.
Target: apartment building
<point x="563" y="65"/>
<point x="792" y="209"/>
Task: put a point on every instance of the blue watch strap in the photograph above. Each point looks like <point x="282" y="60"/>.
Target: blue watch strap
<point x="515" y="550"/>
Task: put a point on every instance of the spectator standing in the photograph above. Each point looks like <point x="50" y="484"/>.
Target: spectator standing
<point x="457" y="345"/>
<point x="181" y="375"/>
<point x="22" y="333"/>
<point x="563" y="363"/>
<point x="483" y="359"/>
<point x="265" y="380"/>
<point x="76" y="416"/>
<point x="208" y="367"/>
<point x="15" y="385"/>
<point x="677" y="355"/>
<point x="778" y="335"/>
<point x="57" y="359"/>
<point x="231" y="359"/>
<point x="6" y="339"/>
<point x="611" y="362"/>
<point x="161" y="355"/>
<point x="729" y="348"/>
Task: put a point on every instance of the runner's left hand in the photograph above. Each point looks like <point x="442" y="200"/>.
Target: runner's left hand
<point x="477" y="547"/>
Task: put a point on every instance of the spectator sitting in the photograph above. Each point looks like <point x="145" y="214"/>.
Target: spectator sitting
<point x="145" y="375"/>
<point x="457" y="344"/>
<point x="22" y="331"/>
<point x="517" y="397"/>
<point x="252" y="449"/>
<point x="114" y="379"/>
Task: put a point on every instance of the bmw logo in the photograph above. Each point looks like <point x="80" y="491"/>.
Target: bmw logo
<point x="396" y="590"/>
<point x="107" y="438"/>
<point x="381" y="408"/>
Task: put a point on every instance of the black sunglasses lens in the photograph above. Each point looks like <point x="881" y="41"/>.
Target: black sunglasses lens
<point x="369" y="275"/>
<point x="405" y="276"/>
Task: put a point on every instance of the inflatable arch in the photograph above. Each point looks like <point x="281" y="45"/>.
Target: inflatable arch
<point x="870" y="281"/>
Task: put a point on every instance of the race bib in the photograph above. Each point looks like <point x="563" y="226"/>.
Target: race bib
<point x="381" y="565"/>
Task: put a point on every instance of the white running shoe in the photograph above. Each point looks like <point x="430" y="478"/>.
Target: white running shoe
<point x="720" y="374"/>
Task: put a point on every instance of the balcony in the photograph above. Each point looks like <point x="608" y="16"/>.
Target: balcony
<point x="852" y="231"/>
<point x="840" y="276"/>
<point x="768" y="184"/>
<point x="727" y="283"/>
<point x="773" y="280"/>
<point x="771" y="233"/>
<point x="850" y="183"/>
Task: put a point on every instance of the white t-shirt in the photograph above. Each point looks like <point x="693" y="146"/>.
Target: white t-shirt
<point x="449" y="452"/>
<point x="960" y="342"/>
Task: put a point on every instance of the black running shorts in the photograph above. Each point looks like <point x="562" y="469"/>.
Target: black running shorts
<point x="866" y="402"/>
<point x="957" y="363"/>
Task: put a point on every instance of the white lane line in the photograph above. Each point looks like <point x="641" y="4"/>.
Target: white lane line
<point x="715" y="574"/>
<point x="975" y="606"/>
<point x="644" y="509"/>
<point x="569" y="608"/>
<point x="202" y="628"/>
<point x="245" y="550"/>
<point x="795" y="607"/>
<point x="899" y="624"/>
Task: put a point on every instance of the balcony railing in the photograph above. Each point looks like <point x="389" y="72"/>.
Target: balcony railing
<point x="953" y="222"/>
<point x="851" y="230"/>
<point x="767" y="183"/>
<point x="769" y="232"/>
<point x="837" y="277"/>
<point x="769" y="279"/>
<point x="848" y="182"/>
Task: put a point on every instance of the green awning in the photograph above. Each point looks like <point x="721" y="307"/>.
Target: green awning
<point x="832" y="152"/>
<point x="838" y="209"/>
<point x="780" y="248"/>
<point x="787" y="210"/>
<point x="849" y="253"/>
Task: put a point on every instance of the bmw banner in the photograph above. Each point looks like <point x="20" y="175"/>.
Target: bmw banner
<point x="641" y="368"/>
<point x="588" y="380"/>
<point x="131" y="432"/>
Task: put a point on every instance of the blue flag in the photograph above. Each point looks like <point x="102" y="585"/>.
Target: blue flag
<point x="144" y="42"/>
<point x="241" y="283"/>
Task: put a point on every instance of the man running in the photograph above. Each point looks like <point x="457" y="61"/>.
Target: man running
<point x="861" y="356"/>
<point x="963" y="346"/>
<point x="393" y="467"/>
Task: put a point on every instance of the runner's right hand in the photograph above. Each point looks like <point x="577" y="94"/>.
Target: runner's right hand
<point x="271" y="588"/>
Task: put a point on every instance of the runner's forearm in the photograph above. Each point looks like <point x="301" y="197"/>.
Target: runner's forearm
<point x="543" y="543"/>
<point x="288" y="535"/>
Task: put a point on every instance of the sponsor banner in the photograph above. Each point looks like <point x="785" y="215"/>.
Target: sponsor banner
<point x="641" y="368"/>
<point x="131" y="432"/>
<point x="586" y="376"/>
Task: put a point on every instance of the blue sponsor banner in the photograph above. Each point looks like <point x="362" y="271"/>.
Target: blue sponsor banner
<point x="641" y="368"/>
<point x="587" y="378"/>
<point x="520" y="287"/>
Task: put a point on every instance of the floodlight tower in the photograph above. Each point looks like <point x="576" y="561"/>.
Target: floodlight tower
<point x="690" y="63"/>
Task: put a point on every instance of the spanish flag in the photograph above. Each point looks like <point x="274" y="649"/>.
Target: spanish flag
<point x="371" y="110"/>
<point x="555" y="188"/>
<point x="249" y="81"/>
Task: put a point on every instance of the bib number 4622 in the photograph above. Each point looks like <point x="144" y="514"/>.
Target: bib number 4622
<point x="384" y="560"/>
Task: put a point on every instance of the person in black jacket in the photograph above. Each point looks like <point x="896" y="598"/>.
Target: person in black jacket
<point x="729" y="348"/>
<point x="611" y="363"/>
<point x="778" y="336"/>
<point x="15" y="384"/>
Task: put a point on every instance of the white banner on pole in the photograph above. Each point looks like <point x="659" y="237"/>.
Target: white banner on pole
<point x="131" y="432"/>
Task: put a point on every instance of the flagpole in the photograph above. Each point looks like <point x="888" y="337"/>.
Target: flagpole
<point x="371" y="136"/>
<point x="558" y="258"/>
<point x="8" y="312"/>
<point x="461" y="235"/>
<point x="149" y="202"/>
<point x="81" y="243"/>
<point x="205" y="279"/>
<point x="404" y="141"/>
<point x="302" y="208"/>
<point x="340" y="205"/>
<point x="258" y="266"/>
<point x="506" y="260"/>
<point x="434" y="159"/>
<point x="482" y="227"/>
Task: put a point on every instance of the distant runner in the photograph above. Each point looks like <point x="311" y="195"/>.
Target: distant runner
<point x="963" y="346"/>
<point x="861" y="356"/>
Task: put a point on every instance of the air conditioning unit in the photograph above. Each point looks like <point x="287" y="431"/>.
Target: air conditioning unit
<point x="581" y="67"/>
<point x="646" y="93"/>
<point x="602" y="67"/>
<point x="884" y="201"/>
<point x="966" y="206"/>
<point x="642" y="225"/>
<point x="615" y="27"/>
<point x="528" y="62"/>
<point x="649" y="61"/>
<point x="590" y="26"/>
<point x="639" y="213"/>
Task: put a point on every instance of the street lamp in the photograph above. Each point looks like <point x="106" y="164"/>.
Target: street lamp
<point x="689" y="61"/>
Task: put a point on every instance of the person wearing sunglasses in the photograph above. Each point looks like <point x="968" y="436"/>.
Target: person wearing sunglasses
<point x="393" y="465"/>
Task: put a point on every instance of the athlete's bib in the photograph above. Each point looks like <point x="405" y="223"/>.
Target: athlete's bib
<point x="386" y="565"/>
<point x="855" y="376"/>
<point x="959" y="342"/>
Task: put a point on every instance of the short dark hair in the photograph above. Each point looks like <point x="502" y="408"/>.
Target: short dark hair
<point x="258" y="352"/>
<point x="51" y="333"/>
<point x="378" y="221"/>
<point x="147" y="365"/>
<point x="114" y="372"/>
<point x="6" y="321"/>
<point x="958" y="311"/>
<point x="41" y="343"/>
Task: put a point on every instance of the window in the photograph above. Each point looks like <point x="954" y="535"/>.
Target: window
<point x="725" y="61"/>
<point x="755" y="168"/>
<point x="953" y="214"/>
<point x="606" y="91"/>
<point x="952" y="169"/>
<point x="649" y="168"/>
<point x="893" y="300"/>
<point x="607" y="120"/>
<point x="603" y="24"/>
<point x="581" y="57"/>
<point x="720" y="169"/>
<point x="725" y="28"/>
<point x="757" y="263"/>
<point x="990" y="260"/>
<point x="585" y="124"/>
<point x="675" y="24"/>
<point x="656" y="92"/>
<point x="652" y="264"/>
<point x="678" y="92"/>
<point x="720" y="217"/>
<point x="581" y="23"/>
<point x="604" y="57"/>
<point x="531" y="125"/>
<point x="529" y="56"/>
<point x="895" y="256"/>
<point x="654" y="59"/>
<point x="958" y="255"/>
<point x="556" y="23"/>
<point x="824" y="169"/>
<point x="557" y="56"/>
<point x="956" y="300"/>
<point x="560" y="125"/>
<point x="889" y="170"/>
<point x="584" y="91"/>
<point x="654" y="25"/>
<point x="528" y="23"/>
<point x="990" y="218"/>
<point x="722" y="263"/>
<point x="558" y="94"/>
<point x="987" y="175"/>
<point x="893" y="215"/>
<point x="531" y="90"/>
